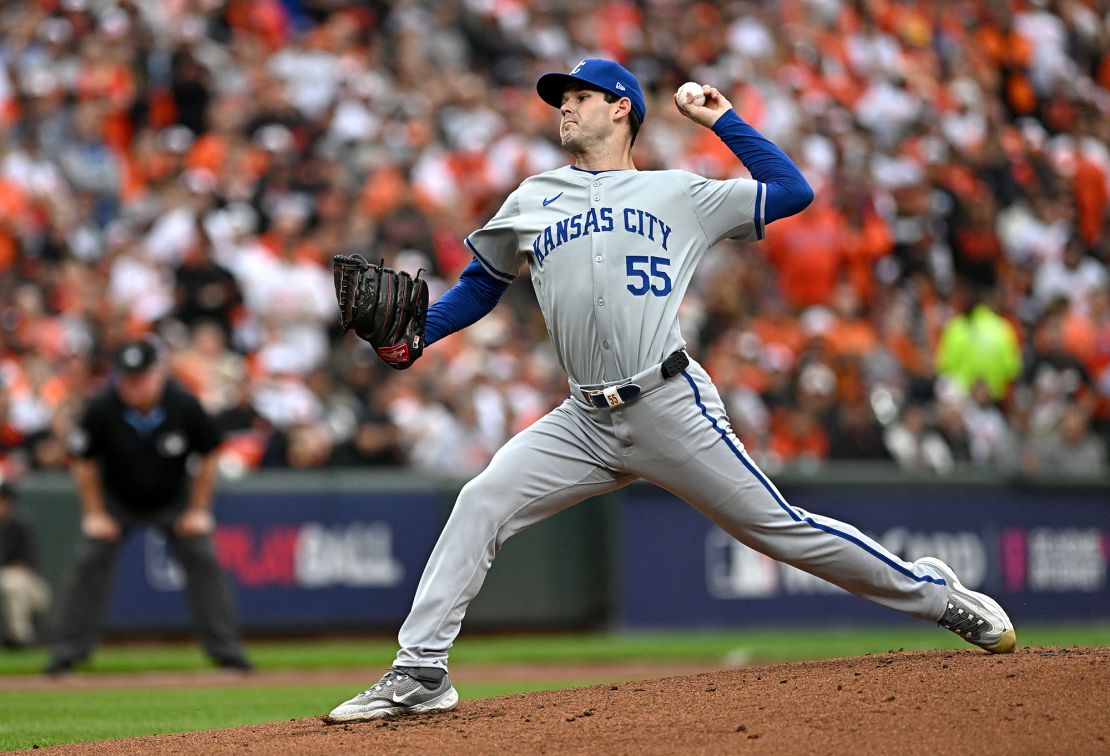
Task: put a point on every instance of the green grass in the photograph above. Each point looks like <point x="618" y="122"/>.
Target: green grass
<point x="758" y="645"/>
<point x="51" y="717"/>
<point x="61" y="715"/>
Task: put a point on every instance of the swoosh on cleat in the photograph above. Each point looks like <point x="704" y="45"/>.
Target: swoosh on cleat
<point x="407" y="696"/>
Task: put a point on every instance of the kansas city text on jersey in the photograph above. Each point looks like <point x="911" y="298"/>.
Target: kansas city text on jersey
<point x="599" y="220"/>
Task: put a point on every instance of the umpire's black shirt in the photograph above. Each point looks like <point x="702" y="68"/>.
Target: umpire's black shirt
<point x="143" y="458"/>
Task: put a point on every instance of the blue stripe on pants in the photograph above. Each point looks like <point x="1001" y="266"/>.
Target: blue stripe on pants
<point x="740" y="455"/>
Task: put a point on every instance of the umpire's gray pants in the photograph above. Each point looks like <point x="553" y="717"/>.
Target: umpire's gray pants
<point x="84" y="601"/>
<point x="676" y="436"/>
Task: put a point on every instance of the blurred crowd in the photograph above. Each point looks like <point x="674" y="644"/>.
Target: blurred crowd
<point x="188" y="167"/>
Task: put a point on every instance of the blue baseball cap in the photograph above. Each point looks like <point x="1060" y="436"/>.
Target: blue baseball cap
<point x="597" y="72"/>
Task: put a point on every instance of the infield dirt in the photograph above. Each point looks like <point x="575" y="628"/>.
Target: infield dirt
<point x="1035" y="701"/>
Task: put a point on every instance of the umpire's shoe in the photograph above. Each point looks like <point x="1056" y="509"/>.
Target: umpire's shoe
<point x="402" y="690"/>
<point x="973" y="616"/>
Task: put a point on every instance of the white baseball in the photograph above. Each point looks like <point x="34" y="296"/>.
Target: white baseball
<point x="691" y="88"/>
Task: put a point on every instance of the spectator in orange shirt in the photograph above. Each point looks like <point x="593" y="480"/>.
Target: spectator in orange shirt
<point x="13" y="219"/>
<point x="865" y="239"/>
<point x="776" y="327"/>
<point x="1092" y="200"/>
<point x="850" y="333"/>
<point x="805" y="250"/>
<point x="1011" y="54"/>
<point x="797" y="437"/>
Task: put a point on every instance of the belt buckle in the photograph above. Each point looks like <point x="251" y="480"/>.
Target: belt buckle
<point x="612" y="396"/>
<point x="606" y="397"/>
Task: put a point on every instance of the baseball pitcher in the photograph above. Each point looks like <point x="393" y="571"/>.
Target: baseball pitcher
<point x="611" y="251"/>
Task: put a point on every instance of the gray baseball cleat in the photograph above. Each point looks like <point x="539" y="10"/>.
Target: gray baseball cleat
<point x="975" y="617"/>
<point x="402" y="690"/>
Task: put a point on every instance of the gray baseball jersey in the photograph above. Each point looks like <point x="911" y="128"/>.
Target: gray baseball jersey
<point x="611" y="255"/>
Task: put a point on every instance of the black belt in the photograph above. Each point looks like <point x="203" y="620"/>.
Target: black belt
<point x="615" y="396"/>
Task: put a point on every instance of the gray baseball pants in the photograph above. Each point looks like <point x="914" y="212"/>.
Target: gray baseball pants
<point x="676" y="435"/>
<point x="84" y="603"/>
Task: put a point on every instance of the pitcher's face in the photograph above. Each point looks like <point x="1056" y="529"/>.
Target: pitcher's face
<point x="587" y="120"/>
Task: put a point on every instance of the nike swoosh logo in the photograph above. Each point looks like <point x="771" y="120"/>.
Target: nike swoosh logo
<point x="547" y="202"/>
<point x="407" y="696"/>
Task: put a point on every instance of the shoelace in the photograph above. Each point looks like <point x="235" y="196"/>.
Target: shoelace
<point x="965" y="623"/>
<point x="387" y="680"/>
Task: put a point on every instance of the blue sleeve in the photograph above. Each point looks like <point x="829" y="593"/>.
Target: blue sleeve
<point x="465" y="303"/>
<point x="788" y="192"/>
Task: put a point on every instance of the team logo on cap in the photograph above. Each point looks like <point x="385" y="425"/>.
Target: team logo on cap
<point x="133" y="357"/>
<point x="577" y="68"/>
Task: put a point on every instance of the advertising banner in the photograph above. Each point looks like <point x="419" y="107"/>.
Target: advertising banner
<point x="324" y="560"/>
<point x="1042" y="554"/>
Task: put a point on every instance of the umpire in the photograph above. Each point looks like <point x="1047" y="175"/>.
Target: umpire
<point x="144" y="454"/>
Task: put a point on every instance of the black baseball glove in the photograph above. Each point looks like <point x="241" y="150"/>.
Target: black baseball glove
<point x="385" y="307"/>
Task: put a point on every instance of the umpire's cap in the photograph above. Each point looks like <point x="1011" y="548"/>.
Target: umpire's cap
<point x="597" y="72"/>
<point x="137" y="357"/>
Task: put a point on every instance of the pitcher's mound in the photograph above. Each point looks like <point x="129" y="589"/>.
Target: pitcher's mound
<point x="1037" y="700"/>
